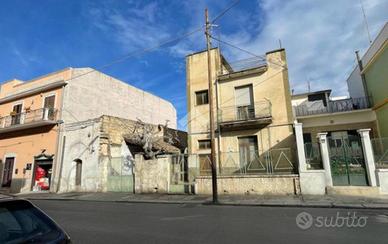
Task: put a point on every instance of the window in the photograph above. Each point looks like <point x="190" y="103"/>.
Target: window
<point x="244" y="102"/>
<point x="202" y="97"/>
<point x="204" y="144"/>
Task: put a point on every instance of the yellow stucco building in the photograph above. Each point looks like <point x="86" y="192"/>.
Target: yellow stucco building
<point x="254" y="132"/>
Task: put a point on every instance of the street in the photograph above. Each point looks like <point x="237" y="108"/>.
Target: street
<point x="110" y="222"/>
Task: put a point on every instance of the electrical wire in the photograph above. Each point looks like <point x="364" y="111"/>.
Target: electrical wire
<point x="138" y="52"/>
<point x="224" y="11"/>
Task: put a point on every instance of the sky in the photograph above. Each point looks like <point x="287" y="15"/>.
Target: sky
<point x="320" y="37"/>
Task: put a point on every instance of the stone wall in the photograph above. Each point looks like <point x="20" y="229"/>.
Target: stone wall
<point x="250" y="184"/>
<point x="151" y="176"/>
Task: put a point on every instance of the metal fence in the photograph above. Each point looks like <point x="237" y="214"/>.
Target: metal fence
<point x="243" y="64"/>
<point x="120" y="174"/>
<point x="43" y="114"/>
<point x="313" y="156"/>
<point x="380" y="151"/>
<point x="343" y="105"/>
<point x="271" y="162"/>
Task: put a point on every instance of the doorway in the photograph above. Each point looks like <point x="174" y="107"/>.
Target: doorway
<point x="78" y="172"/>
<point x="347" y="159"/>
<point x="16" y="114"/>
<point x="7" y="172"/>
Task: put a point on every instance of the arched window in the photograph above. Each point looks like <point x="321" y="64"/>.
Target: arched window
<point x="78" y="172"/>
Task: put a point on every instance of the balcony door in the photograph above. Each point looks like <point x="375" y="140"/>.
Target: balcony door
<point x="16" y="114"/>
<point x="244" y="102"/>
<point x="49" y="103"/>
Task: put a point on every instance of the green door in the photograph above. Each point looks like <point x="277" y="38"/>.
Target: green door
<point x="347" y="160"/>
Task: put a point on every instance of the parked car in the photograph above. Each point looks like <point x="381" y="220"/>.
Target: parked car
<point x="23" y="222"/>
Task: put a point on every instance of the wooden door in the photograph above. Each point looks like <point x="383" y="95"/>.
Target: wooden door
<point x="7" y="172"/>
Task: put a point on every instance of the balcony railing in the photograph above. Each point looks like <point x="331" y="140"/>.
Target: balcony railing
<point x="258" y="110"/>
<point x="28" y="117"/>
<point x="343" y="105"/>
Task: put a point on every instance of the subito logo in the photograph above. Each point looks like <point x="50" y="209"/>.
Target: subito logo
<point x="304" y="220"/>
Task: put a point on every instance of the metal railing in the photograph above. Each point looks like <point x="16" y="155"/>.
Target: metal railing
<point x="380" y="152"/>
<point x="343" y="105"/>
<point x="43" y="114"/>
<point x="244" y="64"/>
<point x="313" y="156"/>
<point x="258" y="110"/>
<point x="270" y="162"/>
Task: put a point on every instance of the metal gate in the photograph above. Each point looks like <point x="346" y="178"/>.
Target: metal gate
<point x="347" y="160"/>
<point x="180" y="182"/>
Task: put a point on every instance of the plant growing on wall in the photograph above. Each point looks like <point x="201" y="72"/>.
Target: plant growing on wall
<point x="151" y="137"/>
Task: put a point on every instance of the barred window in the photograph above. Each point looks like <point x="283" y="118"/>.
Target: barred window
<point x="204" y="144"/>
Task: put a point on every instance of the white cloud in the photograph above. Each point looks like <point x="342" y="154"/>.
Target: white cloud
<point x="320" y="38"/>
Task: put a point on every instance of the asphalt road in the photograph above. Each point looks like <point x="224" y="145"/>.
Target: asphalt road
<point x="109" y="222"/>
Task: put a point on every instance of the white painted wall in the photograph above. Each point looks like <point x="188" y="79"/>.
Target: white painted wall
<point x="95" y="94"/>
<point x="82" y="142"/>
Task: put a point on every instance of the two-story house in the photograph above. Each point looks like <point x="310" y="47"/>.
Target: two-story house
<point x="34" y="115"/>
<point x="254" y="132"/>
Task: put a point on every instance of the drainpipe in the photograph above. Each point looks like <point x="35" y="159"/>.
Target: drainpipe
<point x="218" y="127"/>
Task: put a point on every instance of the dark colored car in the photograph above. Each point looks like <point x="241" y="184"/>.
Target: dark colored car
<point x="23" y="222"/>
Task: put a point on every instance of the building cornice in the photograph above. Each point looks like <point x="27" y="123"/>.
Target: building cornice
<point x="33" y="91"/>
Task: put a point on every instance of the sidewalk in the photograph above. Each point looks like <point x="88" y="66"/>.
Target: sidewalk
<point x="236" y="200"/>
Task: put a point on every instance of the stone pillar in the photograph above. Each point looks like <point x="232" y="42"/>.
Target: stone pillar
<point x="325" y="157"/>
<point x="300" y="147"/>
<point x="368" y="156"/>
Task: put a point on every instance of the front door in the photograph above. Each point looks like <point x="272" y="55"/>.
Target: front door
<point x="248" y="152"/>
<point x="7" y="172"/>
<point x="347" y="159"/>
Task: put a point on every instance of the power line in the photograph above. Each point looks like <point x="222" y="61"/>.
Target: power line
<point x="225" y="11"/>
<point x="141" y="51"/>
<point x="246" y="51"/>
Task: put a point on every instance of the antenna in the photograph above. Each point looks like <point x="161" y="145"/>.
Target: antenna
<point x="365" y="21"/>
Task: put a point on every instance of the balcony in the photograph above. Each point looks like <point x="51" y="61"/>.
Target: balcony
<point x="29" y="119"/>
<point x="254" y="116"/>
<point x="336" y="106"/>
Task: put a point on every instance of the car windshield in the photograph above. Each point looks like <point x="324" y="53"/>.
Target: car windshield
<point x="21" y="222"/>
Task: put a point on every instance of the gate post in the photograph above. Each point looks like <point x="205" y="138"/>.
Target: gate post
<point x="368" y="155"/>
<point x="300" y="147"/>
<point x="322" y="138"/>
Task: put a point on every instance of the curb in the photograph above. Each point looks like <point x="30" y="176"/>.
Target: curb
<point x="209" y="203"/>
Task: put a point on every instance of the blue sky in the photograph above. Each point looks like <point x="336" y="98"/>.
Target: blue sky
<point x="320" y="37"/>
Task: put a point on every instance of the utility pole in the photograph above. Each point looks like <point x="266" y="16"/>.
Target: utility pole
<point x="211" y="110"/>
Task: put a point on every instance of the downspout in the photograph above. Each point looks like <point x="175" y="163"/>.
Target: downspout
<point x="218" y="127"/>
<point x="59" y="150"/>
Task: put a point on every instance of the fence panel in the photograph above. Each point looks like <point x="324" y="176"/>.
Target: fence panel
<point x="120" y="175"/>
<point x="313" y="156"/>
<point x="380" y="151"/>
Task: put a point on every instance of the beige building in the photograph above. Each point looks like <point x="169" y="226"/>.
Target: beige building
<point x="253" y="110"/>
<point x="34" y="116"/>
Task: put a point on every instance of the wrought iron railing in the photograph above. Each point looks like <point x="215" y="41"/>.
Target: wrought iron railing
<point x="258" y="110"/>
<point x="343" y="105"/>
<point x="273" y="161"/>
<point x="43" y="114"/>
<point x="244" y="64"/>
<point x="313" y="156"/>
<point x="380" y="151"/>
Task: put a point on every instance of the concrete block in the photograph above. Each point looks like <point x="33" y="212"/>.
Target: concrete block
<point x="312" y="182"/>
<point x="382" y="180"/>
